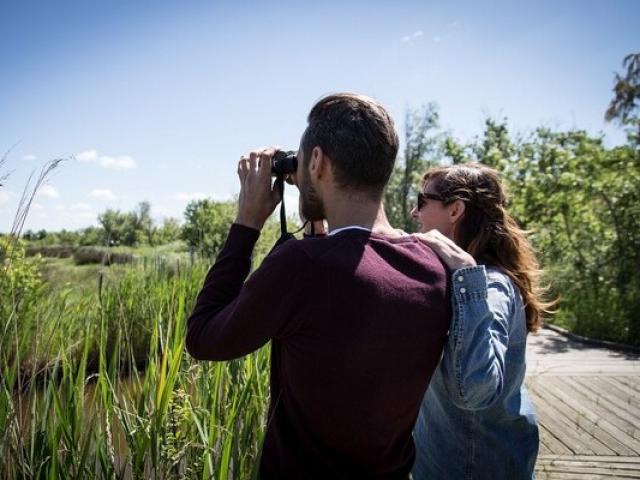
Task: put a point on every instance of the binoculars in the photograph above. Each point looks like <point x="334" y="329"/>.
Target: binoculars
<point x="284" y="163"/>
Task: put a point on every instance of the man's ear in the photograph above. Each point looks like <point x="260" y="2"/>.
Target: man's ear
<point x="456" y="211"/>
<point x="318" y="163"/>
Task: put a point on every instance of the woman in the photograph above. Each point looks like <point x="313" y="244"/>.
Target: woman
<point x="477" y="420"/>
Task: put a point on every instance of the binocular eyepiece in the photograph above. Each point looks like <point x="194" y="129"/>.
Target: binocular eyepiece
<point x="284" y="163"/>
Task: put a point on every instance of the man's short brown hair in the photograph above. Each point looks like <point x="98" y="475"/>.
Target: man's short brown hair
<point x="359" y="137"/>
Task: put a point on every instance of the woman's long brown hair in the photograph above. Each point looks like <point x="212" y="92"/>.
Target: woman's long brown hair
<point x="489" y="233"/>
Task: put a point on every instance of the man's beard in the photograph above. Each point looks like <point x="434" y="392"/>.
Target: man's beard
<point x="312" y="206"/>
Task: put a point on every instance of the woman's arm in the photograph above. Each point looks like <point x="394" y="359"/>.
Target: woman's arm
<point x="473" y="364"/>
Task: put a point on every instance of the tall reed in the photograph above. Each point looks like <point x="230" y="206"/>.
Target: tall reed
<point x="98" y="385"/>
<point x="92" y="411"/>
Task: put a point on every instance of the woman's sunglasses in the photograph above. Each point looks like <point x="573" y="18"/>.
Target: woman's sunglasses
<point x="422" y="198"/>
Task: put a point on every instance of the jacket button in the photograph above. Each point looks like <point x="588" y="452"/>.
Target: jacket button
<point x="460" y="278"/>
<point x="462" y="290"/>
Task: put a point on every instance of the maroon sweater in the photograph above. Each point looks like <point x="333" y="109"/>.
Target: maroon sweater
<point x="357" y="323"/>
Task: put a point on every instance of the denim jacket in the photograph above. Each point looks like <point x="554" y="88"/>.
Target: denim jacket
<point x="477" y="420"/>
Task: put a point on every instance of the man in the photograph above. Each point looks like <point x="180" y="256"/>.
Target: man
<point x="357" y="318"/>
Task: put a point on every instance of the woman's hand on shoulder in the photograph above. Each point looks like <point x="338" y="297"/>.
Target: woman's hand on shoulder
<point x="451" y="254"/>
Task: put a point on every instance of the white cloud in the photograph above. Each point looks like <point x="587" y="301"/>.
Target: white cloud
<point x="80" y="206"/>
<point x="118" y="162"/>
<point x="48" y="191"/>
<point x="187" y="197"/>
<point x="454" y="24"/>
<point x="87" y="156"/>
<point x="5" y="195"/>
<point x="29" y="157"/>
<point x="37" y="206"/>
<point x="102" y="194"/>
<point x="411" y="38"/>
<point x="436" y="39"/>
<point x="61" y="206"/>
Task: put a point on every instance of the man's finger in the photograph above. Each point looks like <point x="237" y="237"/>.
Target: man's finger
<point x="431" y="235"/>
<point x="447" y="240"/>
<point x="434" y="243"/>
<point x="243" y="168"/>
<point x="434" y="239"/>
<point x="434" y="233"/>
<point x="265" y="163"/>
<point x="452" y="246"/>
<point x="271" y="151"/>
<point x="266" y="158"/>
<point x="253" y="159"/>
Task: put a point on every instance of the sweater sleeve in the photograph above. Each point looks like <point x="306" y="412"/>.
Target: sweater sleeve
<point x="474" y="358"/>
<point x="232" y="317"/>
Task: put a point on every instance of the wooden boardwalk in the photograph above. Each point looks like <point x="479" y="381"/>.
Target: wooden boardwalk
<point x="587" y="401"/>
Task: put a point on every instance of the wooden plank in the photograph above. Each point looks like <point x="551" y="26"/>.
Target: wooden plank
<point x="586" y="398"/>
<point x="581" y="442"/>
<point x="552" y="443"/>
<point x="576" y="472"/>
<point x="631" y="396"/>
<point x="555" y="475"/>
<point x="543" y="449"/>
<point x="586" y="370"/>
<point x="598" y="413"/>
<point x="632" y="424"/>
<point x="570" y="465"/>
<point x="605" y="394"/>
<point x="541" y="475"/>
<point x="584" y="420"/>
<point x="632" y="382"/>
<point x="566" y="433"/>
<point x="589" y="415"/>
<point x="553" y="354"/>
<point x="600" y="467"/>
<point x="589" y="467"/>
<point x="610" y="459"/>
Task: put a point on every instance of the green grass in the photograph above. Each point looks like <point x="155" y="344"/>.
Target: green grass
<point x="74" y="405"/>
<point x="63" y="273"/>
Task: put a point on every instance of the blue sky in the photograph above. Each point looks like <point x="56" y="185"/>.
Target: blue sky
<point x="158" y="100"/>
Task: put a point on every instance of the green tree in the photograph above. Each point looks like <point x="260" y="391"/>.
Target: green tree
<point x="422" y="141"/>
<point x="143" y="222"/>
<point x="206" y="225"/>
<point x="168" y="232"/>
<point x="66" y="237"/>
<point x="626" y="91"/>
<point x="119" y="228"/>
<point x="493" y="148"/>
<point x="20" y="282"/>
<point x="127" y="228"/>
<point x="91" y="236"/>
<point x="113" y="225"/>
<point x="582" y="202"/>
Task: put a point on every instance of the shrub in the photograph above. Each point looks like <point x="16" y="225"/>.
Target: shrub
<point x="53" y="251"/>
<point x="91" y="255"/>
